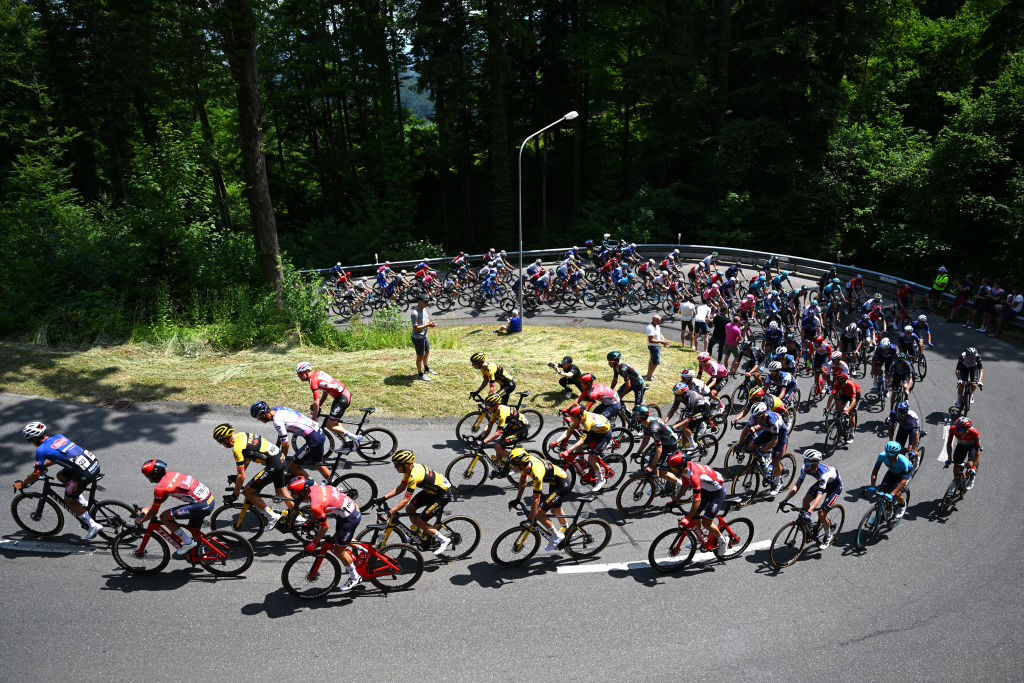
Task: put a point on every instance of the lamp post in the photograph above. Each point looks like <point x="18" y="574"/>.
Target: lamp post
<point x="568" y="117"/>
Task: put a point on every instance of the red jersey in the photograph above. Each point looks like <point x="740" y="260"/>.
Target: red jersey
<point x="326" y="500"/>
<point x="822" y="349"/>
<point x="321" y="381"/>
<point x="972" y="437"/>
<point x="183" y="487"/>
<point x="601" y="393"/>
<point x="703" y="478"/>
<point x="643" y="267"/>
<point x="848" y="390"/>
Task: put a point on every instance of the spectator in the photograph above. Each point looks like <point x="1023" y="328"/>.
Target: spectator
<point x="982" y="300"/>
<point x="938" y="288"/>
<point x="962" y="292"/>
<point x="1008" y="310"/>
<point x="421" y="322"/>
<point x="700" y="326"/>
<point x="998" y="294"/>
<point x="514" y="324"/>
<point x="718" y="323"/>
<point x="733" y="334"/>
<point x="654" y="343"/>
<point x="686" y="313"/>
<point x="568" y="374"/>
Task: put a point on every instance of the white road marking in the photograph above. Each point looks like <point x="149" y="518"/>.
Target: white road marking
<point x="629" y="566"/>
<point x="942" y="445"/>
<point x="26" y="546"/>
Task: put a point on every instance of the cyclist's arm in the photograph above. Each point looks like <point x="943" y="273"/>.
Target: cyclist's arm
<point x="34" y="475"/>
<point x="321" y="530"/>
<point x="150" y="512"/>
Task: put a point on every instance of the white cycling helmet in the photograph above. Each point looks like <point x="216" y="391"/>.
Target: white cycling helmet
<point x="758" y="410"/>
<point x="908" y="328"/>
<point x="304" y="366"/>
<point x="33" y="430"/>
<point x="836" y="355"/>
<point x="774" y="365"/>
<point x="781" y="350"/>
<point x="884" y="343"/>
<point x="773" y="325"/>
<point x="922" y="318"/>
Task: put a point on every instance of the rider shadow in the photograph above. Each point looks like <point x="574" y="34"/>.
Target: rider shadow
<point x="877" y="427"/>
<point x="449" y="445"/>
<point x="925" y="509"/>
<point x="280" y="603"/>
<point x="275" y="548"/>
<point x="126" y="582"/>
<point x="937" y="417"/>
<point x="489" y="575"/>
<point x="400" y="380"/>
<point x="549" y="399"/>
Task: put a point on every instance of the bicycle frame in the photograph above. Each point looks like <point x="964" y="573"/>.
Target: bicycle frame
<point x="363" y="553"/>
<point x="210" y="550"/>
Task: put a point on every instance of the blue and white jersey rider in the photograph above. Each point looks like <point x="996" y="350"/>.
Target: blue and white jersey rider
<point x="76" y="462"/>
<point x="826" y="479"/>
<point x="533" y="268"/>
<point x="781" y="383"/>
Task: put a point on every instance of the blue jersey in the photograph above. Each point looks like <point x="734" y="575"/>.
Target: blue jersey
<point x="908" y="341"/>
<point x="886" y="354"/>
<point x="72" y="458"/>
<point x="909" y="423"/>
<point x="921" y="329"/>
<point x="901" y="466"/>
<point x="866" y="326"/>
<point x="774" y="337"/>
<point x="515" y="325"/>
<point x="783" y="379"/>
<point x="823" y="475"/>
<point x="776" y="425"/>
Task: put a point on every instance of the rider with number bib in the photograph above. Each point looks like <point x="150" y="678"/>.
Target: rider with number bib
<point x="509" y="429"/>
<point x="968" y="371"/>
<point x="493" y="374"/>
<point x="541" y="472"/>
<point x="904" y="426"/>
<point x="898" y="476"/>
<point x="197" y="497"/>
<point x="595" y="435"/>
<point x="631" y="380"/>
<point x="424" y="488"/>
<point x="327" y="500"/>
<point x="666" y="445"/>
<point x="822" y="495"/>
<point x="248" y="448"/>
<point x="604" y="396"/>
<point x="323" y="385"/>
<point x="287" y="421"/>
<point x="968" y="447"/>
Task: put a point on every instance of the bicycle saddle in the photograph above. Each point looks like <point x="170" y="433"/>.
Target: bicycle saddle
<point x="587" y="497"/>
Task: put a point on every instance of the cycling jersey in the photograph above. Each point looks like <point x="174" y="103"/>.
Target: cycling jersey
<point x="968" y="362"/>
<point x="822" y="349"/>
<point x="542" y="472"/>
<point x="286" y="420"/>
<point x="910" y="422"/>
<point x="885" y="354"/>
<point x="714" y="369"/>
<point x="901" y="370"/>
<point x="908" y="342"/>
<point x="773" y="337"/>
<point x="824" y="475"/>
<point x="507" y="418"/>
<point x="252" y="447"/>
<point x="781" y="380"/>
<point x="628" y="373"/>
<point x="182" y="486"/>
<point x="496" y="373"/>
<point x="661" y="434"/>
<point x="847" y="390"/>
<point x="776" y="425"/>
<point x="699" y="386"/>
<point x="326" y="500"/>
<point x="971" y="437"/>
<point x="703" y="478"/>
<point x="692" y="402"/>
<point x="426" y="479"/>
<point x="901" y="466"/>
<point x="600" y="393"/>
<point x="592" y="423"/>
<point x="321" y="381"/>
<point x="75" y="461"/>
<point x="921" y="329"/>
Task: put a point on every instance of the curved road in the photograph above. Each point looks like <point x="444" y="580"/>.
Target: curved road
<point x="938" y="600"/>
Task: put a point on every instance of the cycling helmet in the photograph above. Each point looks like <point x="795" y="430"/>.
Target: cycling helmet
<point x="812" y="456"/>
<point x="750" y="297"/>
<point x="154" y="470"/>
<point x="803" y="288"/>
<point x="922" y="318"/>
<point x="642" y="412"/>
<point x="223" y="432"/>
<point x="758" y="410"/>
<point x="680" y="389"/>
<point x="676" y="460"/>
<point x="774" y="366"/>
<point x="403" y="457"/>
<point x="33" y="430"/>
<point x="746" y="344"/>
<point x="567" y="359"/>
<point x="632" y="245"/>
<point x="259" y="409"/>
<point x="900" y="355"/>
<point x="837" y="355"/>
<point x="864" y="316"/>
<point x="818" y="339"/>
<point x="300" y="485"/>
<point x="686" y="374"/>
<point x="574" y="410"/>
<point x="614" y="355"/>
<point x="703" y="357"/>
<point x="814" y="302"/>
<point x="493" y="399"/>
<point x="504" y="253"/>
<point x="773" y="325"/>
<point x="893" y="448"/>
<point x="942" y="269"/>
<point x="971" y="352"/>
<point x="387" y="263"/>
<point x="781" y="350"/>
<point x="835" y="281"/>
<point x="962" y="424"/>
<point x="852" y="327"/>
<point x="885" y="343"/>
<point x="756" y="393"/>
<point x="902" y="407"/>
<point x="651" y="261"/>
<point x="518" y="456"/>
<point x="859" y="276"/>
<point x="675" y="251"/>
<point x="477" y="358"/>
<point x="586" y="378"/>
<point x="304" y="366"/>
<point x="878" y="296"/>
<point x="714" y="253"/>
<point x="908" y="329"/>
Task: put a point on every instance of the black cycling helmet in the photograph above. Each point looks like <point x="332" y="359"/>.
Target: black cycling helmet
<point x="614" y="355"/>
<point x="259" y="409"/>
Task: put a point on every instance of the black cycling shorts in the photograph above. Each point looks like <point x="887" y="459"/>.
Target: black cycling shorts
<point x="340" y="405"/>
<point x="510" y="437"/>
<point x="598" y="442"/>
<point x="964" y="451"/>
<point x="275" y="470"/>
<point x="556" y="492"/>
<point x="711" y="503"/>
<point x="346" y="527"/>
<point x="433" y="503"/>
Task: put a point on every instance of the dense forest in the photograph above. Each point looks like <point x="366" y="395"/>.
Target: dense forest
<point x="154" y="153"/>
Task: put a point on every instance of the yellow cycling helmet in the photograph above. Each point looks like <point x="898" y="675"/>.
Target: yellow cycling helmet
<point x="518" y="456"/>
<point x="477" y="358"/>
<point x="403" y="457"/>
<point x="493" y="399"/>
<point x="223" y="431"/>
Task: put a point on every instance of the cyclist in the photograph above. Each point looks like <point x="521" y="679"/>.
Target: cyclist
<point x="898" y="476"/>
<point x="968" y="447"/>
<point x="905" y="300"/>
<point x="327" y="500"/>
<point x="492" y="374"/>
<point x="78" y="469"/>
<point x="846" y="395"/>
<point x="541" y="472"/>
<point x="781" y="384"/>
<point x="850" y="341"/>
<point x="902" y="375"/>
<point x="836" y="365"/>
<point x="968" y="369"/>
<point x="696" y="409"/>
<point x="666" y="444"/>
<point x="509" y="428"/>
<point x="855" y="283"/>
<point x="908" y="342"/>
<point x="198" y="501"/>
<point x="787" y="359"/>
<point x="904" y="426"/>
<point x="287" y="421"/>
<point x="424" y="488"/>
<point x="254" y="448"/>
<point x="923" y="330"/>
<point x="758" y="396"/>
<point x="867" y="329"/>
<point x="595" y="392"/>
<point x="708" y="498"/>
<point x="718" y="374"/>
<point x="821" y="351"/>
<point x="772" y="437"/>
<point x="824" y="493"/>
<point x="882" y="359"/>
<point x="323" y="385"/>
<point x="772" y="336"/>
<point x="595" y="435"/>
<point x="631" y="379"/>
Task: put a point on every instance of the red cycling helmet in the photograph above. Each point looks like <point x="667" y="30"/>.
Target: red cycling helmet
<point x="300" y="485"/>
<point x="818" y="339"/>
<point x="586" y="378"/>
<point x="676" y="460"/>
<point x="574" y="410"/>
<point x="962" y="424"/>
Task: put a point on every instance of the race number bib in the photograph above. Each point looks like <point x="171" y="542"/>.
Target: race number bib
<point x="85" y="460"/>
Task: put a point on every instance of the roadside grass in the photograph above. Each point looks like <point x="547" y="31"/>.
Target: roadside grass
<point x="384" y="378"/>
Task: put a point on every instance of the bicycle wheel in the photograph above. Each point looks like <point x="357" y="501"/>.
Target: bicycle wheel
<point x="242" y="518"/>
<point x="113" y="515"/>
<point x="296" y="528"/>
<point x="587" y="539"/>
<point x="707" y="449"/>
<point x="464" y="533"/>
<point x="739" y="398"/>
<point x="949" y="499"/>
<point x="787" y="470"/>
<point x="672" y="550"/>
<point x="832" y="439"/>
<point x="726" y="406"/>
<point x="894" y="521"/>
<point x="746" y="485"/>
<point x="359" y="487"/>
<point x="618" y="466"/>
<point x="467" y="472"/>
<point x="237" y="553"/>
<point x="654" y="408"/>
<point x="921" y="366"/>
<point x="622" y="442"/>
<point x="37" y="514"/>
<point x="867" y="530"/>
<point x="736" y="461"/>
<point x="515" y="546"/>
<point x="788" y="545"/>
<point x="738" y="532"/>
<point x="377" y="444"/>
<point x="536" y="421"/>
<point x="307" y="576"/>
<point x="150" y="560"/>
<point x="836" y="518"/>
<point x="466" y="428"/>
<point x="403" y="564"/>
<point x="550" y="453"/>
<point x="716" y="427"/>
<point x="636" y="495"/>
<point x="379" y="537"/>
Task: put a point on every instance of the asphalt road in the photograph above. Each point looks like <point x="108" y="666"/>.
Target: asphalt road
<point x="939" y="599"/>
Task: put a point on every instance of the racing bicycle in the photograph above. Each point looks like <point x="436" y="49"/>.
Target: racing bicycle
<point x="40" y="514"/>
<point x="675" y="547"/>
<point x="582" y="540"/>
<point x="464" y="533"/>
<point x="790" y="542"/>
<point x="471" y="423"/>
<point x="881" y="517"/>
<point x="390" y="568"/>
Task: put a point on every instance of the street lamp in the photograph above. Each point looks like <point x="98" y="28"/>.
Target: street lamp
<point x="568" y="117"/>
